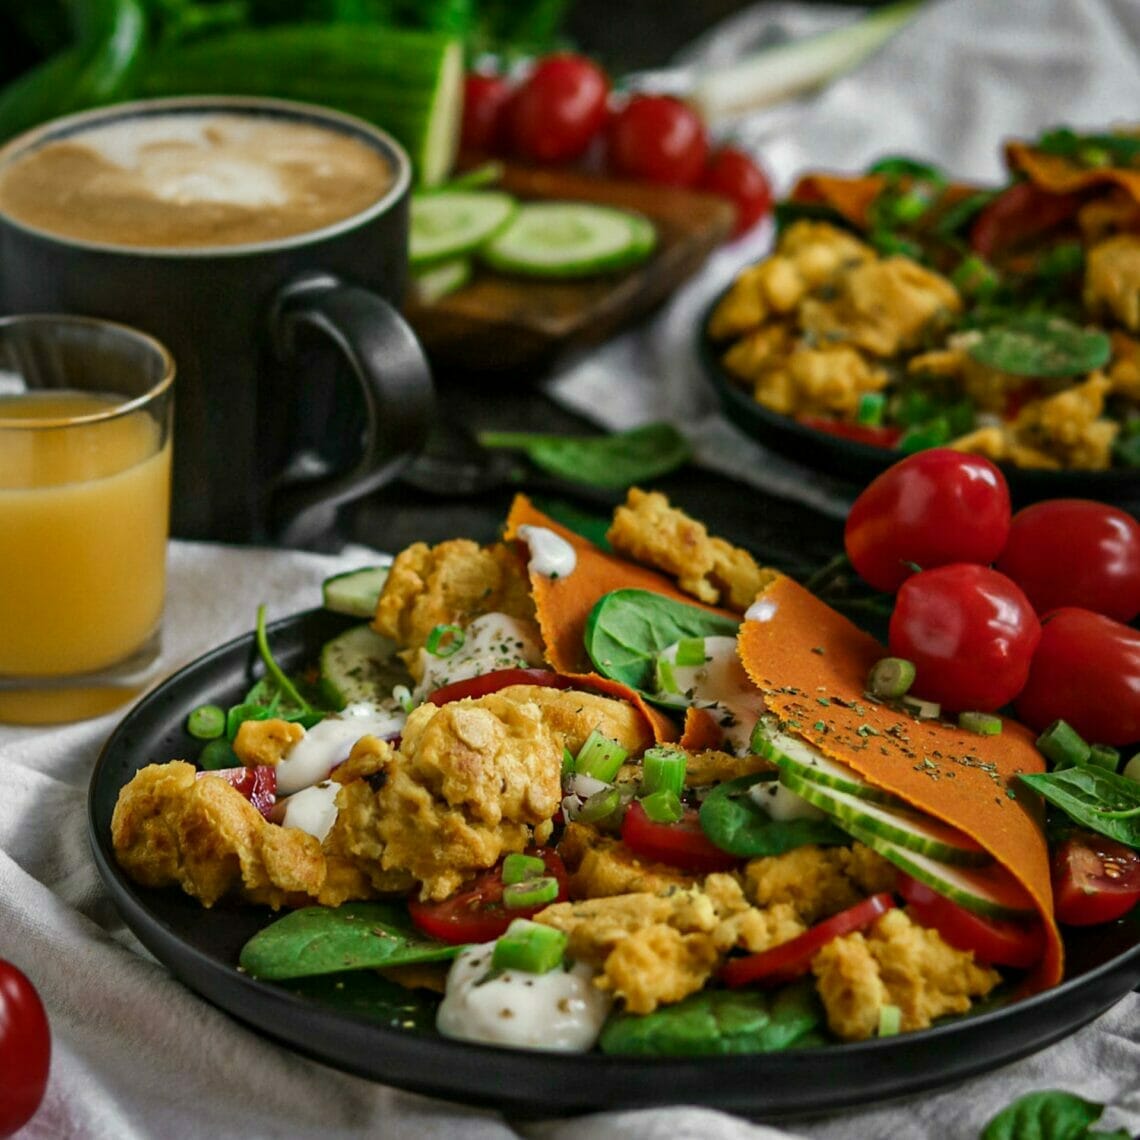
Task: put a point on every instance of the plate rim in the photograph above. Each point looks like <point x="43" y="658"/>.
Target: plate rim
<point x="537" y="1083"/>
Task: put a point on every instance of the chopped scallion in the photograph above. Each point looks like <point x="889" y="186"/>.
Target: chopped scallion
<point x="217" y="754"/>
<point x="599" y="806"/>
<point x="690" y="651"/>
<point x="600" y="757"/>
<point x="663" y="769"/>
<point x="1104" y="756"/>
<point x="567" y="762"/>
<point x="402" y="695"/>
<point x="531" y="892"/>
<point x="985" y="724"/>
<point x="663" y="806"/>
<point x="206" y="722"/>
<point x="1132" y="769"/>
<point x="1063" y="746"/>
<point x="666" y="678"/>
<point x="923" y="710"/>
<point x="890" y="1020"/>
<point x="529" y="947"/>
<point x="444" y="640"/>
<point x="518" y="868"/>
<point x="869" y="411"/>
<point x="890" y="678"/>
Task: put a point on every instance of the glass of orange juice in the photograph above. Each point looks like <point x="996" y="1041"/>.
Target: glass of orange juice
<point x="85" y="437"/>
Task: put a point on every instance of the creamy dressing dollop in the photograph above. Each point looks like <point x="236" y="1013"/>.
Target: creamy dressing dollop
<point x="492" y="641"/>
<point x="561" y="1009"/>
<point x="550" y="554"/>
<point x="313" y="809"/>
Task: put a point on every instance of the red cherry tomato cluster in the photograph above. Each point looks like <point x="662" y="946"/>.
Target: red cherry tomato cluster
<point x="25" y="1049"/>
<point x="563" y="109"/>
<point x="994" y="607"/>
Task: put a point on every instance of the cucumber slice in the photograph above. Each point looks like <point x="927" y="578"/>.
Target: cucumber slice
<point x="909" y="829"/>
<point x="569" y="239"/>
<point x="431" y="283"/>
<point x="359" y="665"/>
<point x="448" y="223"/>
<point x="800" y="758"/>
<point x="989" y="890"/>
<point x="355" y="591"/>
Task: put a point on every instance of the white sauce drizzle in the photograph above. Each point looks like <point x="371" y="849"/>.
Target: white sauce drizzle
<point x="313" y="809"/>
<point x="550" y="554"/>
<point x="561" y="1010"/>
<point x="329" y="742"/>
<point x="492" y="641"/>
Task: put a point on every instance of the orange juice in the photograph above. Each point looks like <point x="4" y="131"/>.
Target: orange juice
<point x="84" y="510"/>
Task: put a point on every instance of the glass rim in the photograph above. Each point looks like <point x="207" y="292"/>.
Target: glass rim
<point x="128" y="405"/>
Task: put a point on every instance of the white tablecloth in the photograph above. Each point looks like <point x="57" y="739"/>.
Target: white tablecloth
<point x="138" y="1056"/>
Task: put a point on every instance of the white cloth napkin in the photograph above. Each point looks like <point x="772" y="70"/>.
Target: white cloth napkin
<point x="138" y="1056"/>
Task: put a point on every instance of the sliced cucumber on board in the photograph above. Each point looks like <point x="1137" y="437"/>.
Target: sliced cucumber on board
<point x="569" y="239"/>
<point x="449" y="223"/>
<point x="355" y="591"/>
<point x="359" y="665"/>
<point x="431" y="283"/>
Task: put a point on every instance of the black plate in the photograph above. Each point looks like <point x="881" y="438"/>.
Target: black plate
<point x="858" y="463"/>
<point x="200" y="947"/>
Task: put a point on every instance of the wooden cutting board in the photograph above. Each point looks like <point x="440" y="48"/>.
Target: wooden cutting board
<point x="521" y="325"/>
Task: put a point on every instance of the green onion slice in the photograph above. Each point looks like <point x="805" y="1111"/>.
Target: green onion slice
<point x="985" y="724"/>
<point x="567" y="762"/>
<point x="206" y="722"/>
<point x="519" y="868"/>
<point x="599" y="806"/>
<point x="890" y="678"/>
<point x="690" y="651"/>
<point x="923" y="710"/>
<point x="666" y="678"/>
<point x="1104" y="756"/>
<point x="1061" y="744"/>
<point x="444" y="640"/>
<point x="890" y="1020"/>
<point x="663" y="807"/>
<point x="600" y="757"/>
<point x="529" y="947"/>
<point x="217" y="754"/>
<point x="532" y="892"/>
<point x="869" y="411"/>
<point x="663" y="769"/>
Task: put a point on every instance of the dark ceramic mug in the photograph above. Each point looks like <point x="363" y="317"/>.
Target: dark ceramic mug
<point x="300" y="385"/>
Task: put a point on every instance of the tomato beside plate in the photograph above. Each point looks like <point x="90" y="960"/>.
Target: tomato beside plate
<point x="25" y="1049"/>
<point x="1095" y="880"/>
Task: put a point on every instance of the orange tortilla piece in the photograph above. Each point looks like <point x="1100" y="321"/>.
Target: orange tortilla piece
<point x="701" y="731"/>
<point x="1055" y="173"/>
<point x="811" y="664"/>
<point x="852" y="195"/>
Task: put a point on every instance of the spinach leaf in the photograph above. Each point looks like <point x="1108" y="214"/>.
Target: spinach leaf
<point x="1095" y="798"/>
<point x="1041" y="344"/>
<point x="616" y="460"/>
<point x="365" y="993"/>
<point x="720" y="1022"/>
<point x="1049" y="1115"/>
<point x="736" y="823"/>
<point x="627" y="628"/>
<point x="324" y="940"/>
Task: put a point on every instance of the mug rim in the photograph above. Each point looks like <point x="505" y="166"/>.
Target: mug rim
<point x="67" y="125"/>
<point x="128" y="405"/>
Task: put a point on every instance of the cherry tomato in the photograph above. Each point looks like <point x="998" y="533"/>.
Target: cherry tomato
<point x="682" y="844"/>
<point x="656" y="138"/>
<point x="558" y="109"/>
<point x="792" y="959"/>
<point x="1086" y="671"/>
<point x="1095" y="879"/>
<point x="996" y="941"/>
<point x="476" y="913"/>
<point x="484" y="97"/>
<point x="1019" y="213"/>
<point x="736" y="176"/>
<point x="933" y="507"/>
<point x="970" y="632"/>
<point x="1075" y="552"/>
<point x="258" y="783"/>
<point x="25" y="1049"/>
<point x="875" y="435"/>
<point x="494" y="681"/>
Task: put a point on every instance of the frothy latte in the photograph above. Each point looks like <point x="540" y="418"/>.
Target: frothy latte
<point x="193" y="180"/>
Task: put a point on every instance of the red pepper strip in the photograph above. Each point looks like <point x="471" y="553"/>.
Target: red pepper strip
<point x="1017" y="215"/>
<point x="875" y="436"/>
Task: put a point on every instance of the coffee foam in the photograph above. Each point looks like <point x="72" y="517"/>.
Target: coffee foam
<point x="194" y="180"/>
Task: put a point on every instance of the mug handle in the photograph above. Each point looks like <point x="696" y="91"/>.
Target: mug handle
<point x="394" y="378"/>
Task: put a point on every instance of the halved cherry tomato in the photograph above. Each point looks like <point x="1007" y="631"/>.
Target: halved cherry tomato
<point x="682" y="844"/>
<point x="875" y="435"/>
<point x="792" y="959"/>
<point x="1075" y="552"/>
<point x="657" y="138"/>
<point x="484" y="97"/>
<point x="1086" y="670"/>
<point x="494" y="681"/>
<point x="970" y="633"/>
<point x="25" y="1049"/>
<point x="998" y="942"/>
<point x="559" y="108"/>
<point x="1021" y="212"/>
<point x="1095" y="879"/>
<point x="476" y="913"/>
<point x="735" y="175"/>
<point x="934" y="507"/>
<point x="258" y="783"/>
